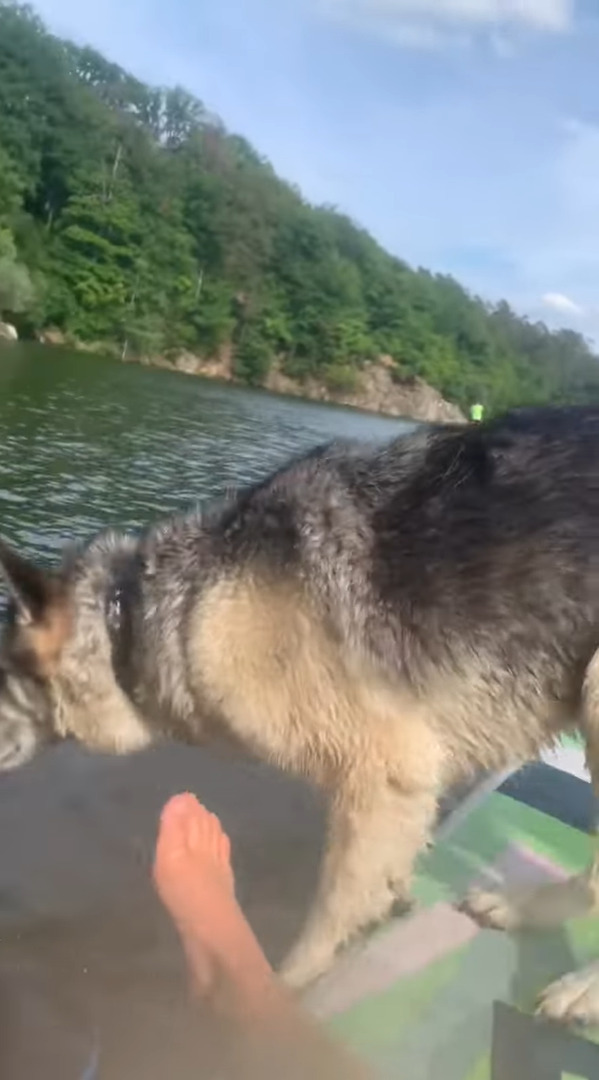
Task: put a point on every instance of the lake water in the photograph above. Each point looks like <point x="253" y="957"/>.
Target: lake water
<point x="86" y="955"/>
<point x="86" y="443"/>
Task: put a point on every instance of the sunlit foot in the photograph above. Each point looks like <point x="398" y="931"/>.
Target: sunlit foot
<point x="194" y="880"/>
<point x="192" y="867"/>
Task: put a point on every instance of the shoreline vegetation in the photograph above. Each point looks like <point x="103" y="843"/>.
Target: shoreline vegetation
<point x="376" y="388"/>
<point x="131" y="220"/>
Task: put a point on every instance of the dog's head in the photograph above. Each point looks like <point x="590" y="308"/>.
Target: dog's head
<point x="36" y="627"/>
<point x="57" y="678"/>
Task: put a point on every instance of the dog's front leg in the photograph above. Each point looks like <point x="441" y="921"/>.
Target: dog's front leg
<point x="375" y="831"/>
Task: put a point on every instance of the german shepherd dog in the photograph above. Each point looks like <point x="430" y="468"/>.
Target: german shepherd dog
<point x="382" y="621"/>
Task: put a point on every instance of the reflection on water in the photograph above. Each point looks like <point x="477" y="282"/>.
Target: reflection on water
<point x="86" y="443"/>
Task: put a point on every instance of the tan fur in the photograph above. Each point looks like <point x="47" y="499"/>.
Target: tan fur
<point x="108" y="723"/>
<point x="264" y="660"/>
<point x="590" y="714"/>
<point x="44" y="640"/>
<point x="262" y="657"/>
<point x="90" y="705"/>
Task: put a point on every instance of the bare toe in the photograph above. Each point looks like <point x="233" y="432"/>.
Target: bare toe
<point x="173" y="836"/>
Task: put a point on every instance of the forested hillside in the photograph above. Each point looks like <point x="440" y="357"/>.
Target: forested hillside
<point x="130" y="216"/>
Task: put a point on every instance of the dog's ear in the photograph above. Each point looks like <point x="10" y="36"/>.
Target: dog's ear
<point x="42" y="609"/>
<point x="31" y="588"/>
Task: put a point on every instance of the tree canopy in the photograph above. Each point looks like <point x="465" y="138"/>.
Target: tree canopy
<point x="130" y="216"/>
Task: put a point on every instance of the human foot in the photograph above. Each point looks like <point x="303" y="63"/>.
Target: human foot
<point x="269" y="1036"/>
<point x="192" y="867"/>
<point x="194" y="880"/>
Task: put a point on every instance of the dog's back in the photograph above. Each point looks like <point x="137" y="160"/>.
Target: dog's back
<point x="433" y="604"/>
<point x="453" y="521"/>
<point x="492" y="537"/>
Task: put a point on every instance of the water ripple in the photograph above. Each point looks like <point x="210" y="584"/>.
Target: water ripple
<point x="86" y="444"/>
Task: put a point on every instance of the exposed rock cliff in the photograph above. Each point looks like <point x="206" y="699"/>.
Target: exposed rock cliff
<point x="377" y="391"/>
<point x="8" y="332"/>
<point x="377" y="388"/>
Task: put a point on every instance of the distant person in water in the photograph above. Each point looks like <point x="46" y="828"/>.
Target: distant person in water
<point x="476" y="413"/>
<point x="266" y="1035"/>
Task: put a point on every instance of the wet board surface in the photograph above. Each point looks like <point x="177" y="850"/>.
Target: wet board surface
<point x="434" y="996"/>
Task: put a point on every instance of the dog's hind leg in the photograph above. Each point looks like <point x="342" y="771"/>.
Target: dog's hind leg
<point x="539" y="908"/>
<point x="375" y="831"/>
<point x="575" y="997"/>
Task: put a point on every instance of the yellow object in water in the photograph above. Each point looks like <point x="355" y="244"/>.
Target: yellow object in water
<point x="476" y="413"/>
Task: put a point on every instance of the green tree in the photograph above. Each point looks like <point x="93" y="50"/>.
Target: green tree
<point x="16" y="289"/>
<point x="130" y="216"/>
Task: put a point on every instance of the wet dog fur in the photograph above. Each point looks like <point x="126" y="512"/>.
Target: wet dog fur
<point x="382" y="620"/>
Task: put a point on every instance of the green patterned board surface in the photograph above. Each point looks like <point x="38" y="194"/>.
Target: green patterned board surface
<point x="434" y="1021"/>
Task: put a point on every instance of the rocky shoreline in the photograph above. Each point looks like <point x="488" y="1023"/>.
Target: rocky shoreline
<point x="377" y="388"/>
<point x="8" y="332"/>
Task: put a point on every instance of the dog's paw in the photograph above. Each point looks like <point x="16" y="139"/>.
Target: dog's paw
<point x="492" y="909"/>
<point x="400" y="906"/>
<point x="303" y="967"/>
<point x="574" y="999"/>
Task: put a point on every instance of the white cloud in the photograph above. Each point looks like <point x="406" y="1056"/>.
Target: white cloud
<point x="562" y="304"/>
<point x="429" y="23"/>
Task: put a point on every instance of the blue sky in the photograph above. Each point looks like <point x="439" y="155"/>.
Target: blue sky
<point x="463" y="133"/>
